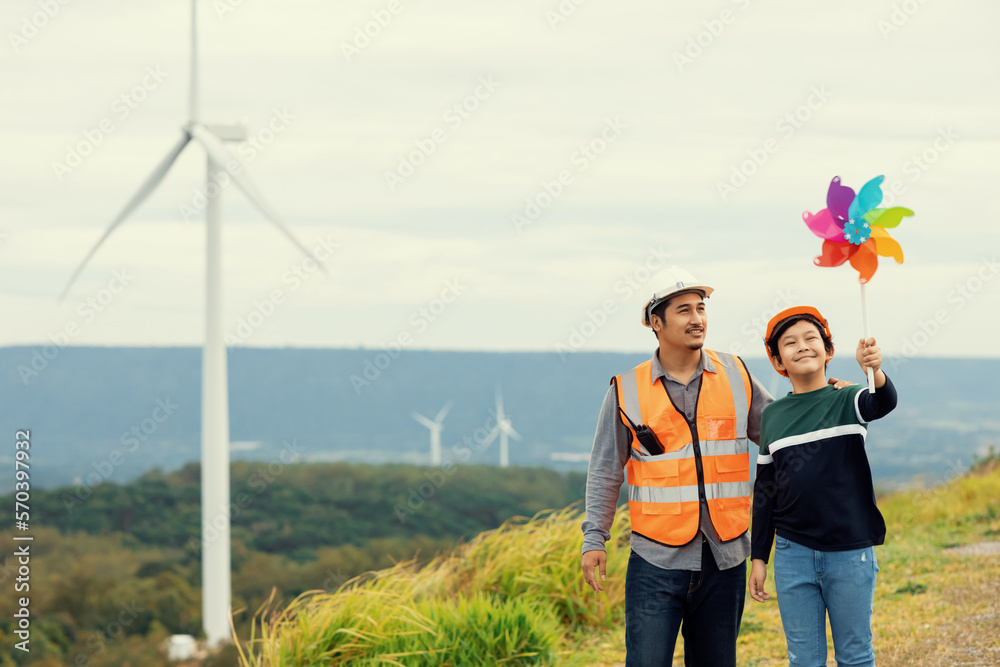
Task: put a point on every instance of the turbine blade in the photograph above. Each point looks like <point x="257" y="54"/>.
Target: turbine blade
<point x="509" y="430"/>
<point x="221" y="155"/>
<point x="491" y="437"/>
<point x="444" y="411"/>
<point x="144" y="191"/>
<point x="499" y="395"/>
<point x="423" y="420"/>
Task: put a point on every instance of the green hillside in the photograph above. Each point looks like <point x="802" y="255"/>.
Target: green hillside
<point x="515" y="596"/>
<point x="134" y="549"/>
<point x="294" y="509"/>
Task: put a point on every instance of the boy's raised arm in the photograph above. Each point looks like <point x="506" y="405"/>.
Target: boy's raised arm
<point x="874" y="406"/>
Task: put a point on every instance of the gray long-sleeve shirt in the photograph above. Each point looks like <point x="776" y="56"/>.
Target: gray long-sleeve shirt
<point x="607" y="472"/>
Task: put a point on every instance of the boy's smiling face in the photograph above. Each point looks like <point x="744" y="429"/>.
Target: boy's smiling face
<point x="801" y="351"/>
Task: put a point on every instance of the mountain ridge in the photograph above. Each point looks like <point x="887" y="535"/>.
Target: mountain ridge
<point x="87" y="403"/>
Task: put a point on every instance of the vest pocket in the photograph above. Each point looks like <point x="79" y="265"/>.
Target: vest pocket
<point x="738" y="504"/>
<point x="732" y="482"/>
<point x="732" y="468"/>
<point x="663" y="426"/>
<point x="659" y="473"/>
<point x="660" y="491"/>
<point x="719" y="428"/>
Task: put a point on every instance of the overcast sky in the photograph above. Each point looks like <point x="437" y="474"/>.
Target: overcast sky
<point x="645" y="132"/>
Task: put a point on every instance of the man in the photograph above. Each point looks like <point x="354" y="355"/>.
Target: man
<point x="680" y="425"/>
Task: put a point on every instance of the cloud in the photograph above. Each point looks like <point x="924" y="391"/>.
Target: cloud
<point x="355" y="119"/>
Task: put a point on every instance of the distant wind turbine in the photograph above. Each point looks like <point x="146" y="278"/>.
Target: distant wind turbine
<point x="216" y="574"/>
<point x="435" y="429"/>
<point x="503" y="429"/>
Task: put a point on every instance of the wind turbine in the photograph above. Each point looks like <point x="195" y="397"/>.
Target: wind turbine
<point x="503" y="429"/>
<point x="435" y="429"/>
<point x="216" y="576"/>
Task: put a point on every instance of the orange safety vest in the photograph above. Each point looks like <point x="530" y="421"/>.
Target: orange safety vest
<point x="710" y="454"/>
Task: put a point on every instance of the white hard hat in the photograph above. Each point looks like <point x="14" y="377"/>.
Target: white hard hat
<point x="675" y="281"/>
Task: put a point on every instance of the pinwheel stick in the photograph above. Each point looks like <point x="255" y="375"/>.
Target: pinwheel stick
<point x="864" y="319"/>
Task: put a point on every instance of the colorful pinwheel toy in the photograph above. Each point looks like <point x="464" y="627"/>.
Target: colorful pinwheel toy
<point x="854" y="230"/>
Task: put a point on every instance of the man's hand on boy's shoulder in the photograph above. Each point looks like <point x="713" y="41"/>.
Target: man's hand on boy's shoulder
<point x="839" y="384"/>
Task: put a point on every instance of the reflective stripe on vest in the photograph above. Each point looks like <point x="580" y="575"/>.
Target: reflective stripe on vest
<point x="663" y="489"/>
<point x="680" y="494"/>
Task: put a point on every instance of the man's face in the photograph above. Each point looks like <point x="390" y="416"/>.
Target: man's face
<point x="684" y="323"/>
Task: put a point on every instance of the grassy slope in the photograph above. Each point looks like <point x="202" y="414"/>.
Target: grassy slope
<point x="931" y="607"/>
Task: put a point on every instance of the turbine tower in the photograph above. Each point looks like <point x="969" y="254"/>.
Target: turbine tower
<point x="216" y="574"/>
<point x="435" y="429"/>
<point x="503" y="429"/>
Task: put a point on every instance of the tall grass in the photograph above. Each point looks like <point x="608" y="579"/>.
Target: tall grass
<point x="507" y="597"/>
<point x="515" y="596"/>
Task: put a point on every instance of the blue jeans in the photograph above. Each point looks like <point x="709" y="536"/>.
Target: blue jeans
<point x="709" y="602"/>
<point x="811" y="584"/>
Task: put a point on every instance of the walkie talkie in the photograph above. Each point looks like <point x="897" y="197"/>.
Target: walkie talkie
<point x="646" y="436"/>
<point x="648" y="440"/>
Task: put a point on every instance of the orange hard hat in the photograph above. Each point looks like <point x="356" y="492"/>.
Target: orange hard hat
<point x="786" y="314"/>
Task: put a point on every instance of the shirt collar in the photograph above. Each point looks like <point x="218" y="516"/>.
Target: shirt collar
<point x="656" y="370"/>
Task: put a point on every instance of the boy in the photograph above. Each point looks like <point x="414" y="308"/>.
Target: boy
<point x="814" y="489"/>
